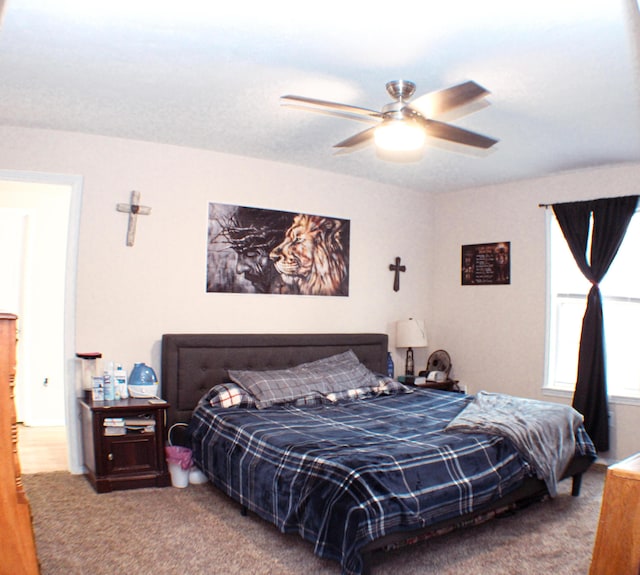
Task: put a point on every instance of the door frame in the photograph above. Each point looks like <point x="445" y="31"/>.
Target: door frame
<point x="74" y="182"/>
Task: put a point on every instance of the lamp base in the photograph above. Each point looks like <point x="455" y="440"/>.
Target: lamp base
<point x="408" y="364"/>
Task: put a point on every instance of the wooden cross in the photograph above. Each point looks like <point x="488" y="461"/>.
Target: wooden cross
<point x="133" y="209"/>
<point x="397" y="268"/>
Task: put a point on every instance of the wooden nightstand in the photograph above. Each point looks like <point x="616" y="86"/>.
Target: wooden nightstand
<point x="130" y="460"/>
<point x="447" y="385"/>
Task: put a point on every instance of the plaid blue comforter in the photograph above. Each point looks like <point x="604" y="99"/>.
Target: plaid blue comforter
<point x="344" y="475"/>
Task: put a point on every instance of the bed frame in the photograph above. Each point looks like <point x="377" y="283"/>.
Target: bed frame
<point x="193" y="363"/>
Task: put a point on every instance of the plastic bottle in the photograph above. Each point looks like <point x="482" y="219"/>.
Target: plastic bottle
<point x="390" y="366"/>
<point x="120" y="380"/>
<point x="109" y="387"/>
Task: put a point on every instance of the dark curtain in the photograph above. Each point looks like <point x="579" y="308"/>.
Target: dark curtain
<point x="611" y="218"/>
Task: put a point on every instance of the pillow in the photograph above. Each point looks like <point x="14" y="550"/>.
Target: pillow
<point x="310" y="380"/>
<point x="350" y="394"/>
<point x="228" y="395"/>
<point x="384" y="386"/>
<point x="341" y="372"/>
<point x="307" y="401"/>
<point x="389" y="386"/>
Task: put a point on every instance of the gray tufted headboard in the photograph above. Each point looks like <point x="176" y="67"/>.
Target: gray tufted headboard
<point x="193" y="363"/>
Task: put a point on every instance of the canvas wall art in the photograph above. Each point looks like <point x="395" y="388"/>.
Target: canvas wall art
<point x="255" y="250"/>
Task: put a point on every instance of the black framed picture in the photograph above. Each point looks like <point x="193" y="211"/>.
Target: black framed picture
<point x="486" y="264"/>
<point x="255" y="250"/>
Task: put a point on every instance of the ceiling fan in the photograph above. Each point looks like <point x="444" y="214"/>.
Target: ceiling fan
<point x="403" y="125"/>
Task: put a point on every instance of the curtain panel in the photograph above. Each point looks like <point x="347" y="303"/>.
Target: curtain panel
<point x="605" y="221"/>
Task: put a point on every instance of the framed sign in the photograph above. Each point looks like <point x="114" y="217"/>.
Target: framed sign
<point x="486" y="264"/>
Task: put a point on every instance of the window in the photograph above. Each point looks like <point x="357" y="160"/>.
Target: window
<point x="620" y="290"/>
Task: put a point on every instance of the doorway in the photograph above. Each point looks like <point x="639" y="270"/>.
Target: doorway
<point x="41" y="216"/>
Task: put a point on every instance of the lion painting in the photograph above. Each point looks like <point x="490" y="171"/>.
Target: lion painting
<point x="313" y="256"/>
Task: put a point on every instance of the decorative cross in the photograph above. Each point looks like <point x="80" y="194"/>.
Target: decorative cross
<point x="133" y="209"/>
<point x="397" y="268"/>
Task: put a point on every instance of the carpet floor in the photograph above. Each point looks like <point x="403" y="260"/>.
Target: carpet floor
<point x="198" y="530"/>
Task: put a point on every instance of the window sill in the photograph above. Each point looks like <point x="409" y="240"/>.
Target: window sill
<point x="614" y="399"/>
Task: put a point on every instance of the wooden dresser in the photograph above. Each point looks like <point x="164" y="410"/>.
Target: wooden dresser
<point x="617" y="547"/>
<point x="17" y="544"/>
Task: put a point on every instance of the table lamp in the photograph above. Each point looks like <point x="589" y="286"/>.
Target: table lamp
<point x="410" y="333"/>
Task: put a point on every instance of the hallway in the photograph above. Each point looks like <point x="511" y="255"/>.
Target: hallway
<point x="42" y="449"/>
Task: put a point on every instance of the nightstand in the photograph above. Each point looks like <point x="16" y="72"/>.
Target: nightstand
<point x="447" y="385"/>
<point x="123" y="444"/>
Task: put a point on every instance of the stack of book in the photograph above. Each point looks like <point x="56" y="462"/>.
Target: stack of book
<point x="114" y="426"/>
<point x="124" y="425"/>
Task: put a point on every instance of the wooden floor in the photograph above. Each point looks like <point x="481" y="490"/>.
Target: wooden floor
<point x="42" y="449"/>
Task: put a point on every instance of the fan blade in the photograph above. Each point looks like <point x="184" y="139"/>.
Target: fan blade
<point x="436" y="103"/>
<point x="330" y="106"/>
<point x="335" y="113"/>
<point x="459" y="135"/>
<point x="357" y="139"/>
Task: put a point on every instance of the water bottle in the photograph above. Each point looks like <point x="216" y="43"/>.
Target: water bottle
<point x="109" y="385"/>
<point x="390" y="366"/>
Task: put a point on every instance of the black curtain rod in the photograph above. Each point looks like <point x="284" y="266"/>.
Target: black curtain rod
<point x="577" y="201"/>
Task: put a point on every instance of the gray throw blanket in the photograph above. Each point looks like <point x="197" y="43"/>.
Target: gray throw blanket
<point x="543" y="432"/>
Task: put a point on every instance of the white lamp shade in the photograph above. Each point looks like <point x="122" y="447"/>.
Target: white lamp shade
<point x="411" y="333"/>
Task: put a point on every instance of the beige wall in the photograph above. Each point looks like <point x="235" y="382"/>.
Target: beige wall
<point x="128" y="297"/>
<point x="496" y="334"/>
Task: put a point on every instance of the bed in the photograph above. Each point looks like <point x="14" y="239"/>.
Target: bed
<point x="352" y="476"/>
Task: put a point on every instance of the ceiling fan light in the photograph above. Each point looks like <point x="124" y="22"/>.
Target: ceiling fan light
<point x="399" y="136"/>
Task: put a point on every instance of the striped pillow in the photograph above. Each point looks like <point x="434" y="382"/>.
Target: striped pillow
<point x="229" y="395"/>
<point x="315" y="379"/>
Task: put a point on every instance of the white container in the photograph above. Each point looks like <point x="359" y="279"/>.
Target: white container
<point x="121" y="383"/>
<point x="196" y="477"/>
<point x="97" y="391"/>
<point x="109" y="387"/>
<point x="89" y="363"/>
<point x="179" y="476"/>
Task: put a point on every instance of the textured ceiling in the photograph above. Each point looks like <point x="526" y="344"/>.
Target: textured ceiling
<point x="563" y="77"/>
